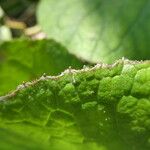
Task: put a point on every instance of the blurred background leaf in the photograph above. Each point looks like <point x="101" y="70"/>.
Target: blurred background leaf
<point x="24" y="60"/>
<point x="99" y="30"/>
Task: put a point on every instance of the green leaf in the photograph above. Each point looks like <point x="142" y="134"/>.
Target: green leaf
<point x="24" y="60"/>
<point x="10" y="140"/>
<point x="99" y="30"/>
<point x="106" y="107"/>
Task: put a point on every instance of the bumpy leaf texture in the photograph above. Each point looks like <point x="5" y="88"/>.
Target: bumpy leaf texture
<point x="106" y="107"/>
<point x="99" y="30"/>
<point x="24" y="60"/>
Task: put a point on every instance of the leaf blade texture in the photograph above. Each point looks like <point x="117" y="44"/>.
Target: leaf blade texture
<point x="99" y="30"/>
<point x="101" y="108"/>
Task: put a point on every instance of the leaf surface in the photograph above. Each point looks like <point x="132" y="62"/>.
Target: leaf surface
<point x="99" y="30"/>
<point x="24" y="60"/>
<point x="106" y="107"/>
